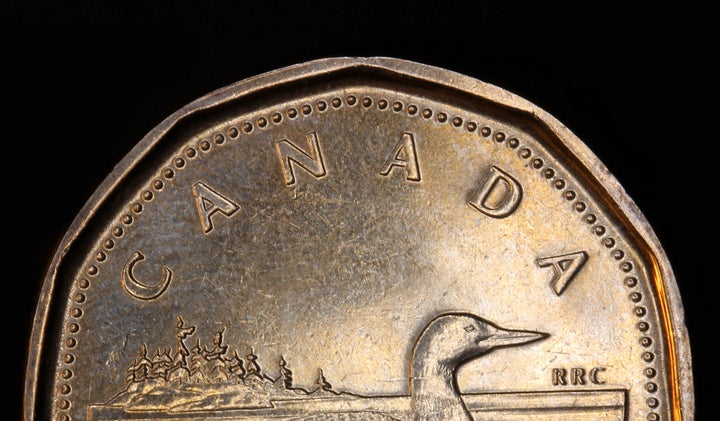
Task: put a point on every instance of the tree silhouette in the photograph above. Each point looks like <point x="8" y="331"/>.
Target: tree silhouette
<point x="253" y="368"/>
<point x="196" y="362"/>
<point x="236" y="367"/>
<point x="285" y="374"/>
<point x="322" y="383"/>
<point x="140" y="369"/>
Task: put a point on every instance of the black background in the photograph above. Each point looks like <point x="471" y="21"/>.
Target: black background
<point x="84" y="81"/>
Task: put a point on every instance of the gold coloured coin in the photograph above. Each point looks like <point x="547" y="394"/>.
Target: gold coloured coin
<point x="366" y="239"/>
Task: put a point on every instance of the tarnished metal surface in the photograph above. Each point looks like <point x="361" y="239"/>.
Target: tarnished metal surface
<point x="370" y="238"/>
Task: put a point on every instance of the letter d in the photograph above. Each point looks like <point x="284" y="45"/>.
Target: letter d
<point x="498" y="195"/>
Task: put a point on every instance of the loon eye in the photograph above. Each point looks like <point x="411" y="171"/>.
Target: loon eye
<point x="469" y="328"/>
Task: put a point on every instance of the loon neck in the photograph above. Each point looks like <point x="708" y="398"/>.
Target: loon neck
<point x="434" y="393"/>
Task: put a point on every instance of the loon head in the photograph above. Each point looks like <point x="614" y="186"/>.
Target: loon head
<point x="454" y="338"/>
<point x="446" y="343"/>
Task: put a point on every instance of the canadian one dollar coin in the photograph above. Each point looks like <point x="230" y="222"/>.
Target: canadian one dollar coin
<point x="359" y="239"/>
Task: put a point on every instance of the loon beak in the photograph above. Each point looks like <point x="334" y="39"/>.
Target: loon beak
<point x="505" y="337"/>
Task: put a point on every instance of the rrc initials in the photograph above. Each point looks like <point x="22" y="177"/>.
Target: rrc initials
<point x="577" y="376"/>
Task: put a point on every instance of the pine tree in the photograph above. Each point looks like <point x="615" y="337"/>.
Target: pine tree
<point x="196" y="361"/>
<point x="253" y="368"/>
<point x="285" y="374"/>
<point x="322" y="383"/>
<point x="236" y="367"/>
<point x="132" y="372"/>
<point x="142" y="369"/>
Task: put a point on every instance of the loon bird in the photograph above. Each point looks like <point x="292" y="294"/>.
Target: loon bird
<point x="445" y="344"/>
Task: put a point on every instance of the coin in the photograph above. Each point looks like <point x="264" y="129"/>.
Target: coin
<point x="360" y="239"/>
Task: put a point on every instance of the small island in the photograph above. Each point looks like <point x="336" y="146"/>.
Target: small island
<point x="214" y="377"/>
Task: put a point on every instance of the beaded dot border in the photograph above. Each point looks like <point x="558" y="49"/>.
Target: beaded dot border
<point x="274" y="118"/>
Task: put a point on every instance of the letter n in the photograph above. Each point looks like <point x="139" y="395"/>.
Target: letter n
<point x="404" y="155"/>
<point x="291" y="155"/>
<point x="209" y="202"/>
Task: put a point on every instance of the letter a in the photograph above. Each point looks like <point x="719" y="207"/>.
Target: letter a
<point x="404" y="155"/>
<point x="209" y="202"/>
<point x="498" y="195"/>
<point x="565" y="268"/>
